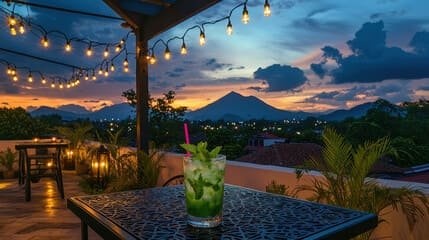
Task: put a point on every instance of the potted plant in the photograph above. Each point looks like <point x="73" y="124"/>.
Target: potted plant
<point x="7" y="158"/>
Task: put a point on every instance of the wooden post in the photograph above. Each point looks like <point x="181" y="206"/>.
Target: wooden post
<point x="142" y="92"/>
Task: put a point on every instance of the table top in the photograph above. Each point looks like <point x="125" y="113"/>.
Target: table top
<point x="41" y="144"/>
<point x="159" y="213"/>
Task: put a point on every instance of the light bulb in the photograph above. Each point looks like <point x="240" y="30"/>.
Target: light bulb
<point x="61" y="86"/>
<point x="52" y="85"/>
<point x="89" y="51"/>
<point x="73" y="84"/>
<point x="12" y="30"/>
<point x="15" y="78"/>
<point x="167" y="54"/>
<point x="202" y="38"/>
<point x="9" y="70"/>
<point x="245" y="18"/>
<point x="106" y="72"/>
<point x="148" y="56"/>
<point x="229" y="28"/>
<point x="118" y="48"/>
<point x="30" y="78"/>
<point x="13" y="71"/>
<point x="67" y="47"/>
<point x="267" y="9"/>
<point x="43" y="80"/>
<point x="45" y="41"/>
<point x="106" y="52"/>
<point x="68" y="85"/>
<point x="12" y="20"/>
<point x="77" y="81"/>
<point x="112" y="67"/>
<point x="125" y="63"/>
<point x="21" y="27"/>
<point x="183" y="49"/>
<point x="122" y="42"/>
<point x="126" y="69"/>
<point x="93" y="76"/>
<point x="100" y="71"/>
<point x="86" y="77"/>
<point x="152" y="59"/>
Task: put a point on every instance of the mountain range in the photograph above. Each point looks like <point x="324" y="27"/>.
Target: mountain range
<point x="72" y="112"/>
<point x="231" y="107"/>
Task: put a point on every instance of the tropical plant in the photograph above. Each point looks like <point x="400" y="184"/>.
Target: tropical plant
<point x="7" y="158"/>
<point x="276" y="188"/>
<point x="77" y="134"/>
<point x="134" y="178"/>
<point x="345" y="181"/>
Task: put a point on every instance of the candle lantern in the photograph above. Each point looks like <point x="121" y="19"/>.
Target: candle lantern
<point x="100" y="164"/>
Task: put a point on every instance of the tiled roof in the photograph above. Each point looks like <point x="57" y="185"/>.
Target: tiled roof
<point x="284" y="154"/>
<point x="295" y="154"/>
<point x="422" y="177"/>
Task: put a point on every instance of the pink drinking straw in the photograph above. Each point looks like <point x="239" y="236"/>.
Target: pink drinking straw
<point x="185" y="128"/>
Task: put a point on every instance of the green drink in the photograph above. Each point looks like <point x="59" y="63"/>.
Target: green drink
<point x="204" y="184"/>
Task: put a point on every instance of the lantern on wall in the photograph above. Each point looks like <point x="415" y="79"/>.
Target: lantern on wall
<point x="100" y="164"/>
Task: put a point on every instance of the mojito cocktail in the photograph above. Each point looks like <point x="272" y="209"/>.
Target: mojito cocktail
<point x="204" y="190"/>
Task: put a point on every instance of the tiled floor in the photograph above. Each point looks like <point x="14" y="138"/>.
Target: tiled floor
<point x="45" y="217"/>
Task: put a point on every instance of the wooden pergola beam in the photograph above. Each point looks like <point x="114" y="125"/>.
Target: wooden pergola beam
<point x="178" y="12"/>
<point x="133" y="19"/>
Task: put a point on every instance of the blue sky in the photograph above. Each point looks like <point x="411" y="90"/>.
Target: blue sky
<point x="279" y="59"/>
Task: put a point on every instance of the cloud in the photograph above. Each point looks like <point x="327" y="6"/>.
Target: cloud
<point x="322" y="96"/>
<point x="258" y="89"/>
<point x="281" y="77"/>
<point x="318" y="69"/>
<point x="91" y="101"/>
<point x="5" y="103"/>
<point x="236" y="68"/>
<point x="212" y="64"/>
<point x="424" y="88"/>
<point x="372" y="61"/>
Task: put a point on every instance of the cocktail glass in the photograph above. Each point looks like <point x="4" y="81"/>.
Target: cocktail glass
<point x="204" y="184"/>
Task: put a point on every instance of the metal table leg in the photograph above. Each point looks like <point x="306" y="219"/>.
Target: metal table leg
<point x="27" y="177"/>
<point x="59" y="172"/>
<point x="83" y="230"/>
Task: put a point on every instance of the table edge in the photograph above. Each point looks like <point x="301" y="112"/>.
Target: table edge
<point x="355" y="226"/>
<point x="97" y="221"/>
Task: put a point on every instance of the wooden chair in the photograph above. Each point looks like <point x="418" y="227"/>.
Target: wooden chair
<point x="176" y="180"/>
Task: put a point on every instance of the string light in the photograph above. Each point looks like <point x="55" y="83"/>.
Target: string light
<point x="61" y="86"/>
<point x="118" y="47"/>
<point x="106" y="71"/>
<point x="267" y="9"/>
<point x="167" y="53"/>
<point x="68" y="47"/>
<point x="100" y="71"/>
<point x="43" y="80"/>
<point x="126" y="69"/>
<point x="15" y="78"/>
<point x="68" y="85"/>
<point x="93" y="76"/>
<point x="229" y="28"/>
<point x="53" y="84"/>
<point x="30" y="78"/>
<point x="125" y="63"/>
<point x="12" y="30"/>
<point x="152" y="59"/>
<point x="86" y="77"/>
<point x="89" y="51"/>
<point x="106" y="52"/>
<point x="183" y="49"/>
<point x="202" y="38"/>
<point x="9" y="70"/>
<point x="45" y="41"/>
<point x="245" y="18"/>
<point x="112" y="67"/>
<point x="12" y="20"/>
<point x="21" y="27"/>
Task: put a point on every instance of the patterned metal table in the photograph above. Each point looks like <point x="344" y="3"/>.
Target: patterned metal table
<point x="159" y="213"/>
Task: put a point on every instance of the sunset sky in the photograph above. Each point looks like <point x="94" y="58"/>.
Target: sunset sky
<point x="309" y="55"/>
